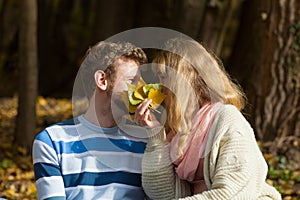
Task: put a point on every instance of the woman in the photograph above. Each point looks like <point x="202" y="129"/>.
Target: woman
<point x="209" y="151"/>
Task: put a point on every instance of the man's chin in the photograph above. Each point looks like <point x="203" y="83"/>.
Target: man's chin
<point x="119" y="108"/>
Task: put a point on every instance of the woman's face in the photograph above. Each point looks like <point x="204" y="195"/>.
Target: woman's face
<point x="160" y="72"/>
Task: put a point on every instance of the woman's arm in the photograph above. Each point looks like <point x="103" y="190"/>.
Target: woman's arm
<point x="159" y="179"/>
<point x="157" y="172"/>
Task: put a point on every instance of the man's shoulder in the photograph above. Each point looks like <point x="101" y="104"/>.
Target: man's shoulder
<point x="59" y="129"/>
<point x="64" y="124"/>
<point x="68" y="122"/>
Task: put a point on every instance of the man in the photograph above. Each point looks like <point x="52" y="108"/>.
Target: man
<point x="90" y="157"/>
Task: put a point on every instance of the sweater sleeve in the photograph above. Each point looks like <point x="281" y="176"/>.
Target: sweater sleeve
<point x="159" y="179"/>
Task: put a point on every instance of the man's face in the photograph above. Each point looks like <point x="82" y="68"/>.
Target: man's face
<point x="127" y="72"/>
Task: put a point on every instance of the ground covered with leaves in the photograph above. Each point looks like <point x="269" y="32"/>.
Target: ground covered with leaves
<point x="16" y="170"/>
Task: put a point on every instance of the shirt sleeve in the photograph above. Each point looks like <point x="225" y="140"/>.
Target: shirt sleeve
<point x="159" y="179"/>
<point x="48" y="177"/>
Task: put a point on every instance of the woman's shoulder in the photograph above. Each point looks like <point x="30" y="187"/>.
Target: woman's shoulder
<point x="228" y="109"/>
<point x="229" y="119"/>
<point x="228" y="114"/>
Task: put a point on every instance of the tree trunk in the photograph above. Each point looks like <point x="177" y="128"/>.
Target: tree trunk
<point x="218" y="17"/>
<point x="9" y="18"/>
<point x="266" y="61"/>
<point x="188" y="16"/>
<point x="28" y="73"/>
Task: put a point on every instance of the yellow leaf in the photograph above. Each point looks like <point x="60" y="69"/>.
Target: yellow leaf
<point x="287" y="191"/>
<point x="157" y="97"/>
<point x="42" y="101"/>
<point x="23" y="188"/>
<point x="141" y="82"/>
<point x="10" y="193"/>
<point x="270" y="182"/>
<point x="139" y="93"/>
<point x="132" y="108"/>
<point x="22" y="150"/>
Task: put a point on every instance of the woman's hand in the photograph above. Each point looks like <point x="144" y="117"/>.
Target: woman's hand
<point x="143" y="116"/>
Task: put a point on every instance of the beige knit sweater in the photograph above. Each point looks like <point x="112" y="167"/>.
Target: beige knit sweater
<point x="234" y="167"/>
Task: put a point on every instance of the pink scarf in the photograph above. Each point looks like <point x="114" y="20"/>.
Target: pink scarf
<point x="189" y="166"/>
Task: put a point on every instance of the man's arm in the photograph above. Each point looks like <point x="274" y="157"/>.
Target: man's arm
<point x="48" y="177"/>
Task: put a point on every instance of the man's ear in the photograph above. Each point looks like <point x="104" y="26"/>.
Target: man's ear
<point x="100" y="80"/>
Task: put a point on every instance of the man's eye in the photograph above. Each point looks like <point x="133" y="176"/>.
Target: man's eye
<point x="130" y="81"/>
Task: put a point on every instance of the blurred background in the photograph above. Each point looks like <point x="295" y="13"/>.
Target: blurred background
<point x="42" y="43"/>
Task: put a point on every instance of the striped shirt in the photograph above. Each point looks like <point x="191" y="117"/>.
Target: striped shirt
<point x="78" y="160"/>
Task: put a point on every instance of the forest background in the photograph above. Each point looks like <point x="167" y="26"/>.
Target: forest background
<point x="42" y="43"/>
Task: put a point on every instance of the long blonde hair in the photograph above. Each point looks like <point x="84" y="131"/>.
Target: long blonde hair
<point x="194" y="78"/>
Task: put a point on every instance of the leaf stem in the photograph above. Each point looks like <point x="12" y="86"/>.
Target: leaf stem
<point x="154" y="110"/>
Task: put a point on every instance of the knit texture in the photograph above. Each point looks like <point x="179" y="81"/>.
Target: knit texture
<point x="158" y="164"/>
<point x="234" y="167"/>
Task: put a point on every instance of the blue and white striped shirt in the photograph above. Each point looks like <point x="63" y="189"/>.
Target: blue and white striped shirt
<point x="78" y="160"/>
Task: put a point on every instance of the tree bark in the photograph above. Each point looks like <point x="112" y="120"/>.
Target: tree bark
<point x="266" y="61"/>
<point x="188" y="16"/>
<point x="28" y="73"/>
<point x="216" y="23"/>
<point x="9" y="18"/>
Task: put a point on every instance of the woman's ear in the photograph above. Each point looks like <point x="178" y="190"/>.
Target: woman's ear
<point x="100" y="80"/>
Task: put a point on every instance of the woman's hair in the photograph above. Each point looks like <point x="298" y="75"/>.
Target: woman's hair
<point x="194" y="77"/>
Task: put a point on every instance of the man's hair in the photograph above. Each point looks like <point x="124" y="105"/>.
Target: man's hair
<point x="101" y="56"/>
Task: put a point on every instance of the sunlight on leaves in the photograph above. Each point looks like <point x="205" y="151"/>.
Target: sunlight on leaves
<point x="137" y="93"/>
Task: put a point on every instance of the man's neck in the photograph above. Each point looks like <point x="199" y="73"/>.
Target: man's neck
<point x="99" y="112"/>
